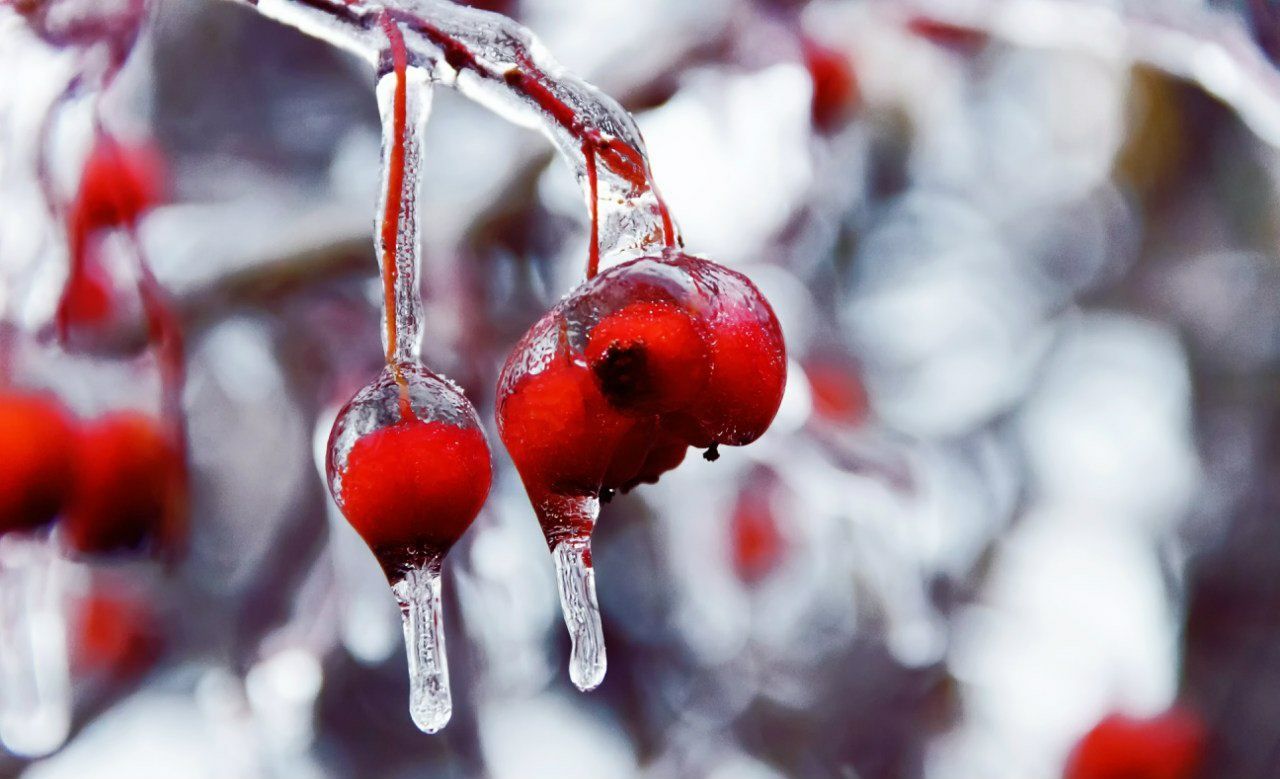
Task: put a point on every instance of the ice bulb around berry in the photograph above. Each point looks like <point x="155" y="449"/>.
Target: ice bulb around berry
<point x="409" y="467"/>
<point x="613" y="385"/>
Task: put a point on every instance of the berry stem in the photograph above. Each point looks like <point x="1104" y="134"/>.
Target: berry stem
<point x="405" y="108"/>
<point x="35" y="685"/>
<point x="593" y="207"/>
<point x="576" y="579"/>
<point x="430" y="702"/>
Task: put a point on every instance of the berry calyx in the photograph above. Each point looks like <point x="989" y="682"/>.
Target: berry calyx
<point x="648" y="357"/>
<point x="129" y="487"/>
<point x="37" y="449"/>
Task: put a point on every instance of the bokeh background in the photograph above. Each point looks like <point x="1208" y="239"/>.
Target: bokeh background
<point x="1026" y="476"/>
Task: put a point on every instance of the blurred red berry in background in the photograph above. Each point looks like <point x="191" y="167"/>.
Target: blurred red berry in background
<point x="1170" y="746"/>
<point x="37" y="444"/>
<point x="129" y="486"/>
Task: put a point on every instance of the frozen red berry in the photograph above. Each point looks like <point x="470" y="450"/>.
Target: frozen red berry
<point x="415" y="485"/>
<point x="37" y="449"/>
<point x="129" y="487"/>
<point x="648" y="358"/>
<point x="409" y="467"/>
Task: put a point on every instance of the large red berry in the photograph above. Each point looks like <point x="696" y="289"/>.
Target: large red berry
<point x="37" y="456"/>
<point x="129" y="488"/>
<point x="650" y="357"/>
<point x="409" y="466"/>
<point x="1170" y="746"/>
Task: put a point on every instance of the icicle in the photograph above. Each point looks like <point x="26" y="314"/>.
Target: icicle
<point x="430" y="702"/>
<point x="35" y="685"/>
<point x="577" y="582"/>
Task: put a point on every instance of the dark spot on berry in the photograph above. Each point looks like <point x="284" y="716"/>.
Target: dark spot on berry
<point x="712" y="454"/>
<point x="623" y="372"/>
<point x="606" y="495"/>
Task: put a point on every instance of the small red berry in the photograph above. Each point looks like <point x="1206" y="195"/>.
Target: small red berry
<point x="118" y="185"/>
<point x="37" y="450"/>
<point x="1170" y="746"/>
<point x="415" y="484"/>
<point x="757" y="544"/>
<point x="115" y="634"/>
<point x="409" y="467"/>
<point x="129" y="489"/>
<point x="835" y="85"/>
<point x="838" y="393"/>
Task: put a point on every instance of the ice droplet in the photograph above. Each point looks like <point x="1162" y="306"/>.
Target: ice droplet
<point x="576" y="580"/>
<point x="35" y="684"/>
<point x="430" y="702"/>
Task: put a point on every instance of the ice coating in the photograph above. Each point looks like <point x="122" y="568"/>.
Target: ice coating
<point x="501" y="65"/>
<point x="407" y="461"/>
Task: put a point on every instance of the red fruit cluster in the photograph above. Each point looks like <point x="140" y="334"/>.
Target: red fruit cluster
<point x="117" y="481"/>
<point x="409" y="467"/>
<point x="1170" y="746"/>
<point x="640" y="363"/>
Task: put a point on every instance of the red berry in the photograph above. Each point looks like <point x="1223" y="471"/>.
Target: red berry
<point x="130" y="486"/>
<point x="118" y="185"/>
<point x="37" y="450"/>
<point x="835" y="85"/>
<point x="415" y="485"/>
<point x="409" y="466"/>
<point x="116" y="634"/>
<point x="838" y="393"/>
<point x="757" y="544"/>
<point x="1170" y="746"/>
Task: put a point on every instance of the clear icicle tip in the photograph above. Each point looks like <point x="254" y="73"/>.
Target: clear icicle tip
<point x="576" y="580"/>
<point x="430" y="702"/>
